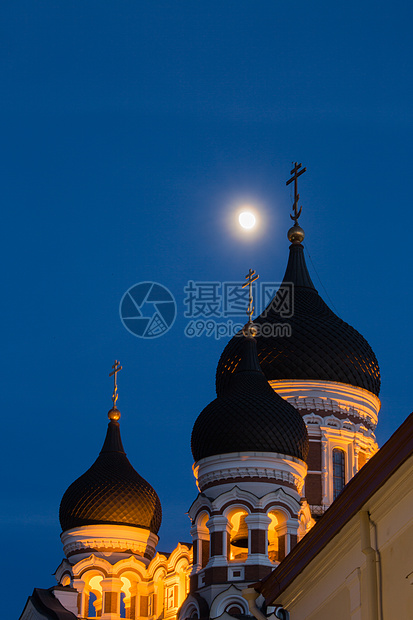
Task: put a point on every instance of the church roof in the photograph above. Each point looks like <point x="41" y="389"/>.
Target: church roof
<point x="248" y="416"/>
<point x="47" y="606"/>
<point x="320" y="346"/>
<point x="111" y="492"/>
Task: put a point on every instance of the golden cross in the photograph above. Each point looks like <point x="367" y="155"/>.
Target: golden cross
<point x="250" y="278"/>
<point x="116" y="367"/>
<point x="294" y="178"/>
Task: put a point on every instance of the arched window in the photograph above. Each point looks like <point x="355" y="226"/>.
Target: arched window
<point x="238" y="542"/>
<point x="277" y="531"/>
<point x="339" y="478"/>
<point x="93" y="594"/>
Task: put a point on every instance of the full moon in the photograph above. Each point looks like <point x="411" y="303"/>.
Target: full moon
<point x="246" y="219"/>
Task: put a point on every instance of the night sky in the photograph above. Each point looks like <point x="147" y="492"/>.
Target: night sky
<point x="131" y="134"/>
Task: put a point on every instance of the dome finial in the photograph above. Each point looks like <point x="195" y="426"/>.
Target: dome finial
<point x="249" y="330"/>
<point x="114" y="413"/>
<point x="296" y="233"/>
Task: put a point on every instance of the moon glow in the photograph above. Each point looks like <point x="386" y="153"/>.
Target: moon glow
<point x="247" y="220"/>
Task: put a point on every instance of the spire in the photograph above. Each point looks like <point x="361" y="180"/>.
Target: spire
<point x="296" y="271"/>
<point x="249" y="356"/>
<point x="113" y="441"/>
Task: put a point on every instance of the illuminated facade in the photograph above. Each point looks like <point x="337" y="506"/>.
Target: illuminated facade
<point x="292" y="423"/>
<point x="340" y="420"/>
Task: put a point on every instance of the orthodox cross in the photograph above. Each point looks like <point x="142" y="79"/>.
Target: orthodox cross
<point x="116" y="367"/>
<point x="250" y="278"/>
<point x="294" y="178"/>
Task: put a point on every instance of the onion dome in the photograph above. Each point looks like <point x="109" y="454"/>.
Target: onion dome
<point x="248" y="416"/>
<point x="318" y="345"/>
<point x="111" y="491"/>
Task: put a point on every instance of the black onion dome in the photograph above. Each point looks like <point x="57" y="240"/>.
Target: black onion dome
<point x="249" y="416"/>
<point x="111" y="492"/>
<point x="321" y="346"/>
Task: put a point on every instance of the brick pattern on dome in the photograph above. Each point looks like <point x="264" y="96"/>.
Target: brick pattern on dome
<point x="111" y="492"/>
<point x="249" y="417"/>
<point x="321" y="347"/>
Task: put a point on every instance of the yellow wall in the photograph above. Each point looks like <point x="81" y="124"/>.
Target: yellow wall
<point x="337" y="608"/>
<point x="334" y="585"/>
<point x="397" y="563"/>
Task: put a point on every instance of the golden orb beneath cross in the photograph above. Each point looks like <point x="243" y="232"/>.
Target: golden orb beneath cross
<point x="296" y="234"/>
<point x="114" y="413"/>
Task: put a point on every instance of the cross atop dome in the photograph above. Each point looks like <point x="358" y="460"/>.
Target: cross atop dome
<point x="296" y="172"/>
<point x="251" y="277"/>
<point x="296" y="233"/>
<point x="114" y="413"/>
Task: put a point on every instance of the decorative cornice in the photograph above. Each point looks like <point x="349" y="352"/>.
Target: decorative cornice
<point x="294" y="484"/>
<point x="103" y="538"/>
<point x="237" y="474"/>
<point x="332" y="422"/>
<point x="102" y="545"/>
<point x="239" y="466"/>
<point x="330" y="397"/>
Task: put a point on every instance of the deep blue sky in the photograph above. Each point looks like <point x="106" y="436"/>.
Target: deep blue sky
<point x="130" y="133"/>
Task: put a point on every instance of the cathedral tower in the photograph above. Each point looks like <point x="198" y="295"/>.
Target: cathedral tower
<point x="110" y="518"/>
<point x="323" y="367"/>
<point x="250" y="448"/>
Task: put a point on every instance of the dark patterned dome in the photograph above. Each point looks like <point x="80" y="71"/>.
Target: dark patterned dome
<point x="321" y="346"/>
<point x="111" y="492"/>
<point x="249" y="416"/>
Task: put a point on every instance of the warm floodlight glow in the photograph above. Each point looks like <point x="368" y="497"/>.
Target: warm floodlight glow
<point x="247" y="219"/>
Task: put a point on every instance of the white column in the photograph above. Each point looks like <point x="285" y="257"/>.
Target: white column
<point x="199" y="533"/>
<point x="196" y="541"/>
<point x="324" y="472"/>
<point x="80" y="585"/>
<point x="217" y="525"/>
<point x="356" y="449"/>
<point x="258" y="521"/>
<point x="292" y="530"/>
<point x="111" y="589"/>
